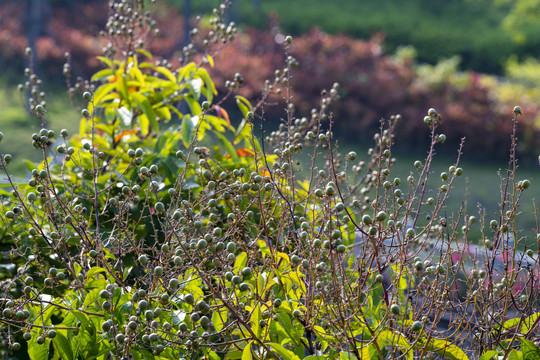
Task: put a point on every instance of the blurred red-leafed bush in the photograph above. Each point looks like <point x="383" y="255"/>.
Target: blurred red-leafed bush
<point x="374" y="85"/>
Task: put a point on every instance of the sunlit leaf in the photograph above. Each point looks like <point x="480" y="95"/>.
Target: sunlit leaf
<point x="444" y="348"/>
<point x="284" y="353"/>
<point x="102" y="74"/>
<point x="63" y="346"/>
<point x="210" y="60"/>
<point x="105" y="61"/>
<point x="240" y="262"/>
<point x="143" y="102"/>
<point x="208" y="83"/>
<point x="529" y="322"/>
<point x="137" y="74"/>
<point x="387" y="337"/>
<point x="489" y="355"/>
<point x="168" y="74"/>
<point x="530" y="350"/>
<point x="145" y="53"/>
<point x="187" y="130"/>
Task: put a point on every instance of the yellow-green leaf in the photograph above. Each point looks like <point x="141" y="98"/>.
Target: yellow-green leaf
<point x="529" y="322"/>
<point x="488" y="355"/>
<point x="105" y="61"/>
<point x="145" y="53"/>
<point x="530" y="350"/>
<point x="208" y="83"/>
<point x="219" y="317"/>
<point x="210" y="60"/>
<point x="137" y="74"/>
<point x="101" y="74"/>
<point x="254" y="320"/>
<point x="167" y="73"/>
<point x="444" y="348"/>
<point x="387" y="337"/>
<point x="63" y="346"/>
<point x="186" y="130"/>
<point x="244" y="101"/>
<point x="284" y="353"/>
<point x="121" y="87"/>
<point x="240" y="262"/>
<point x="144" y="104"/>
<point x="246" y="354"/>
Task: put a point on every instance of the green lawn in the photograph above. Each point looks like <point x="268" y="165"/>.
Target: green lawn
<point x="18" y="126"/>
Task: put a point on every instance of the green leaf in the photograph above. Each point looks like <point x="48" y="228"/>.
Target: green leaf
<point x="163" y="112"/>
<point x="243" y="131"/>
<point x="105" y="61"/>
<point x="121" y="86"/>
<point x="102" y="91"/>
<point x="91" y="297"/>
<point x="126" y="308"/>
<point x="101" y="74"/>
<point x="245" y="102"/>
<point x="217" y="123"/>
<point x="233" y="355"/>
<point x="246" y="353"/>
<point x="444" y="348"/>
<point x="148" y="111"/>
<point x="369" y="352"/>
<point x="186" y="71"/>
<point x="285" y="321"/>
<point x="126" y="272"/>
<point x="397" y="340"/>
<point x="94" y="271"/>
<point x="240" y="262"/>
<point x="186" y="130"/>
<point x="38" y="352"/>
<point x="530" y="350"/>
<point x="194" y="106"/>
<point x="137" y="74"/>
<point x="208" y="83"/>
<point x="243" y="109"/>
<point x="227" y="145"/>
<point x="63" y="347"/>
<point x="145" y="124"/>
<point x="145" y="53"/>
<point x="515" y="355"/>
<point x="529" y="322"/>
<point x="168" y="74"/>
<point x="87" y="325"/>
<point x="254" y="320"/>
<point x="488" y="355"/>
<point x="219" y="317"/>
<point x="510" y="323"/>
<point x="284" y="353"/>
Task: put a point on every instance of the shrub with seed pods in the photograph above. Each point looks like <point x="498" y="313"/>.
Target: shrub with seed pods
<point x="224" y="248"/>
